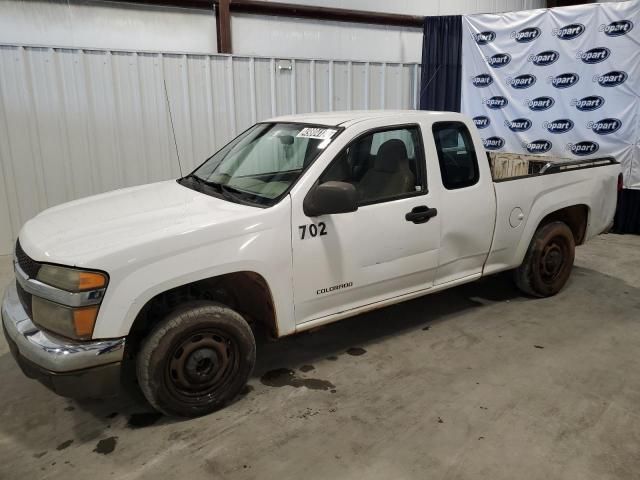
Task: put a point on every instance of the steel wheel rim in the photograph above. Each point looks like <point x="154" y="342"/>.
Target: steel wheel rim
<point x="201" y="364"/>
<point x="553" y="259"/>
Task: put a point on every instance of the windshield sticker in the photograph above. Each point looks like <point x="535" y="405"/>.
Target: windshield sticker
<point x="319" y="133"/>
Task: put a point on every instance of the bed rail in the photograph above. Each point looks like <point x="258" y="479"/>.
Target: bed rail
<point x="512" y="166"/>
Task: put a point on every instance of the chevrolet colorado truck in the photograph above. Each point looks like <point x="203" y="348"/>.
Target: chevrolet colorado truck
<point x="300" y="221"/>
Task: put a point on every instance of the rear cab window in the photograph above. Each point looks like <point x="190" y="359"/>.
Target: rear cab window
<point x="456" y="155"/>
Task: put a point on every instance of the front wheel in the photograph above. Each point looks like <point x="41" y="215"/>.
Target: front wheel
<point x="548" y="262"/>
<point x="196" y="359"/>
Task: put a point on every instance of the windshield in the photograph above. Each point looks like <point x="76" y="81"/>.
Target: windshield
<point x="261" y="164"/>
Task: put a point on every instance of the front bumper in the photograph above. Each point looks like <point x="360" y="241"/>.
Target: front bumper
<point x="71" y="369"/>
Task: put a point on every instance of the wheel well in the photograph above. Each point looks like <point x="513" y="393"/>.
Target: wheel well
<point x="246" y="292"/>
<point x="576" y="217"/>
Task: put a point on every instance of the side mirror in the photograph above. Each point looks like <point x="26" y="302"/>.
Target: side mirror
<point x="330" y="197"/>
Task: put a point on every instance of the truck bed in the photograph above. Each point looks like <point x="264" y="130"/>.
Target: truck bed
<point x="521" y="204"/>
<point x="511" y="166"/>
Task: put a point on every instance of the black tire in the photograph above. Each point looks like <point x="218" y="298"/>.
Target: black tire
<point x="196" y="359"/>
<point x="548" y="262"/>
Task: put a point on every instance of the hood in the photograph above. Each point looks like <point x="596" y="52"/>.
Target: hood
<point x="80" y="232"/>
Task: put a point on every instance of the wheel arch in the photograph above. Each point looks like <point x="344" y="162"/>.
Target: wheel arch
<point x="246" y="292"/>
<point x="575" y="215"/>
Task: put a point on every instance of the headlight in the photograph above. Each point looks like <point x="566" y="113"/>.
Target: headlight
<point x="73" y="322"/>
<point x="70" y="279"/>
<point x="69" y="322"/>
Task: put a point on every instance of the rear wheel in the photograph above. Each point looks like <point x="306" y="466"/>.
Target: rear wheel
<point x="196" y="359"/>
<point x="548" y="262"/>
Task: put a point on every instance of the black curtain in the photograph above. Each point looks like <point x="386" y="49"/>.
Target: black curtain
<point x="440" y="82"/>
<point x="627" y="218"/>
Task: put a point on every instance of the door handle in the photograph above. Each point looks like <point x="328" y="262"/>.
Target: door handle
<point x="421" y="214"/>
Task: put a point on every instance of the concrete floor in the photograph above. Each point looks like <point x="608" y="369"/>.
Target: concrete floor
<point x="473" y="383"/>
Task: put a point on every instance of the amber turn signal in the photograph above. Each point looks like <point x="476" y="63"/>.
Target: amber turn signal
<point x="91" y="281"/>
<point x="83" y="321"/>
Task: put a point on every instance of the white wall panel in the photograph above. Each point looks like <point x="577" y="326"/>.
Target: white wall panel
<point x="78" y="122"/>
<point x="98" y="24"/>
<point x="304" y="86"/>
<point x="258" y="35"/>
<point x="293" y="37"/>
<point x="122" y="26"/>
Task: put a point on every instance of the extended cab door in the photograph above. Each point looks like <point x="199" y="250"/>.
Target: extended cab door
<point x="468" y="208"/>
<point x="388" y="247"/>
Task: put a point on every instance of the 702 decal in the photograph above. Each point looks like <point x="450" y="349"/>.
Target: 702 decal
<point x="312" y="230"/>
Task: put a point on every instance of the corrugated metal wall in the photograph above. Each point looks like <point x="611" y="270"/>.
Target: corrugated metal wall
<point x="118" y="25"/>
<point x="77" y="122"/>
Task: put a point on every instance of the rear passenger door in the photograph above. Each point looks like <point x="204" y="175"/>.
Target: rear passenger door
<point x="467" y="204"/>
<point x="387" y="248"/>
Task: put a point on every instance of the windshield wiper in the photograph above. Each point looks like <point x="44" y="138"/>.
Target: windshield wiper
<point x="232" y="190"/>
<point x="202" y="181"/>
<point x="229" y="193"/>
<point x="191" y="176"/>
<point x="236" y="193"/>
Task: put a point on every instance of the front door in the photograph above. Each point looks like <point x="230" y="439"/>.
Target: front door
<point x="387" y="248"/>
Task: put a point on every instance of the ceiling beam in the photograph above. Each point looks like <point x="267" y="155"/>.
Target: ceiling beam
<point x="564" y="3"/>
<point x="257" y="7"/>
<point x="324" y="13"/>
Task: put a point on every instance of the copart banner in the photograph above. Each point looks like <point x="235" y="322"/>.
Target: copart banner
<point x="562" y="81"/>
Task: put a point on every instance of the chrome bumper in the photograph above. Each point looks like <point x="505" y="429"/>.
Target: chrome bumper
<point x="49" y="352"/>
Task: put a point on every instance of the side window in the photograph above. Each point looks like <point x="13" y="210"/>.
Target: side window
<point x="456" y="155"/>
<point x="382" y="165"/>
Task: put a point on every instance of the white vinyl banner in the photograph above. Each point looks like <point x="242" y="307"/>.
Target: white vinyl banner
<point x="561" y="81"/>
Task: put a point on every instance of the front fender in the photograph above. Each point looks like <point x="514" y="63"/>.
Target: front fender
<point x="266" y="253"/>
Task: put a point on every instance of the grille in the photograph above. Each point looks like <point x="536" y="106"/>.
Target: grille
<point x="25" y="299"/>
<point x="28" y="266"/>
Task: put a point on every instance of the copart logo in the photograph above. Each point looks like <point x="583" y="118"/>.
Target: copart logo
<point x="595" y="55"/>
<point x="498" y="60"/>
<point x="538" y="146"/>
<point x="518" y="125"/>
<point x="605" y="126"/>
<point x="483" y="38"/>
<point x="568" y="32"/>
<point x="583" y="148"/>
<point x="562" y="125"/>
<point x="611" y="79"/>
<point x="540" y="104"/>
<point x="522" y="81"/>
<point x="615" y="29"/>
<point x="545" y="58"/>
<point x="495" y="103"/>
<point x="564" y="80"/>
<point x="481" y="121"/>
<point x="482" y="80"/>
<point x="587" y="104"/>
<point x="526" y="35"/>
<point x="493" y="143"/>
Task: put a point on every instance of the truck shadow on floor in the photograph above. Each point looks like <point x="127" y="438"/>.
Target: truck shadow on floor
<point x="352" y="334"/>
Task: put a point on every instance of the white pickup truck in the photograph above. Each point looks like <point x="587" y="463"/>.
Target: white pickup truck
<point x="298" y="222"/>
